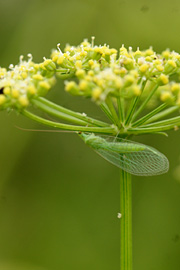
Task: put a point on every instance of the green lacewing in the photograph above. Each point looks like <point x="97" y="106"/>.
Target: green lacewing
<point x="132" y="157"/>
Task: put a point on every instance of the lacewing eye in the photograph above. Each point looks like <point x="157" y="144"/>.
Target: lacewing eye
<point x="135" y="158"/>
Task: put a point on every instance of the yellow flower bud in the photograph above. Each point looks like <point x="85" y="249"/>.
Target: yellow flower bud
<point x="100" y="82"/>
<point x="37" y="77"/>
<point x="166" y="54"/>
<point x="2" y="99"/>
<point x="175" y="88"/>
<point x="148" y="59"/>
<point x="23" y="101"/>
<point x="149" y="52"/>
<point x="122" y="72"/>
<point x="143" y="68"/>
<point x="157" y="62"/>
<point x="169" y="66"/>
<point x="83" y="85"/>
<point x="85" y="43"/>
<point x="60" y="60"/>
<point x="83" y="53"/>
<point x="113" y="51"/>
<point x="91" y="62"/>
<point x="78" y="64"/>
<point x="128" y="63"/>
<point x="45" y="85"/>
<point x="117" y="71"/>
<point x="15" y="93"/>
<point x="137" y="54"/>
<point x="123" y="50"/>
<point x="160" y="68"/>
<point x="24" y="75"/>
<point x="163" y="79"/>
<point x="134" y="73"/>
<point x="49" y="65"/>
<point x="118" y="83"/>
<point x="72" y="88"/>
<point x="7" y="90"/>
<point x="88" y="78"/>
<point x="91" y="73"/>
<point x="166" y="96"/>
<point x="69" y="86"/>
<point x="31" y="89"/>
<point x="36" y="66"/>
<point x="136" y="90"/>
<point x="55" y="58"/>
<point x="98" y="50"/>
<point x="96" y="93"/>
<point x="80" y="73"/>
<point x="129" y="80"/>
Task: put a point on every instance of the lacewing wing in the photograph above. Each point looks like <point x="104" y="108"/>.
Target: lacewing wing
<point x="132" y="157"/>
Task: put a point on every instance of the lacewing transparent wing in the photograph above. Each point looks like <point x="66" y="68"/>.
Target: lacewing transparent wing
<point x="132" y="157"/>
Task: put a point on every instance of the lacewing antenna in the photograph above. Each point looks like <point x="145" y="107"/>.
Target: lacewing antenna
<point x="45" y="130"/>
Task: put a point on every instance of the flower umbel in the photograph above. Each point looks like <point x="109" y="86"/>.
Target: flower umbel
<point x="23" y="82"/>
<point x="124" y="83"/>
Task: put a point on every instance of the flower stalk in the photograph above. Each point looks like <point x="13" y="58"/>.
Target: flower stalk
<point x="125" y="221"/>
<point x="102" y="130"/>
<point x="51" y="105"/>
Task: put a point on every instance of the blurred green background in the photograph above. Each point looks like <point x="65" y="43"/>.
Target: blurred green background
<point x="58" y="199"/>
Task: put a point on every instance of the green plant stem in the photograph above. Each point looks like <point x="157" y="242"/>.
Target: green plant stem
<point x="143" y="105"/>
<point x="106" y="110"/>
<point x="171" y="121"/>
<point x="133" y="105"/>
<point x="148" y="116"/>
<point x="153" y="129"/>
<point x="113" y="112"/>
<point x="163" y="114"/>
<point x="126" y="221"/>
<point x="77" y="115"/>
<point x="120" y="103"/>
<point x="103" y="130"/>
<point x="58" y="114"/>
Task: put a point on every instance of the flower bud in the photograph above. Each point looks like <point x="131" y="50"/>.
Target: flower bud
<point x="163" y="79"/>
<point x="166" y="97"/>
<point x="169" y="66"/>
<point x="2" y="99"/>
<point x="96" y="93"/>
<point x="49" y="65"/>
<point x="72" y="88"/>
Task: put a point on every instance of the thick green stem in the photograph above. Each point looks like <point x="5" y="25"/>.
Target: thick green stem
<point x="102" y="130"/>
<point x="63" y="110"/>
<point x="153" y="129"/>
<point x="58" y="114"/>
<point x="126" y="221"/>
